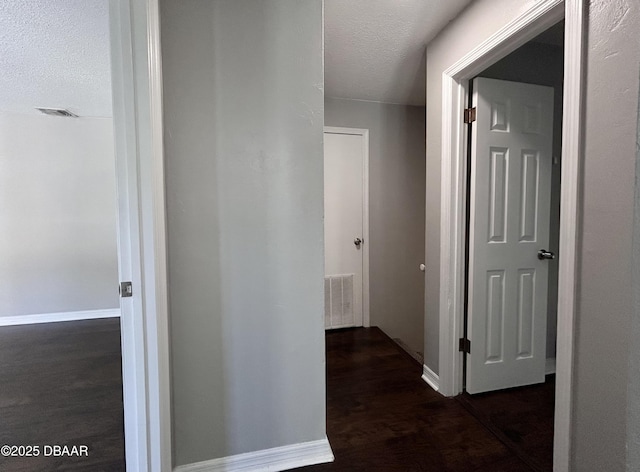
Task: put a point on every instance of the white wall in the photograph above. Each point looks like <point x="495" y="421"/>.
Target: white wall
<point x="542" y="64"/>
<point x="57" y="215"/>
<point x="244" y="163"/>
<point x="396" y="208"/>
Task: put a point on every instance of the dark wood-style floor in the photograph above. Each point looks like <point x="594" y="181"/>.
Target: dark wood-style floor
<point x="61" y="384"/>
<point x="522" y="418"/>
<point x="382" y="417"/>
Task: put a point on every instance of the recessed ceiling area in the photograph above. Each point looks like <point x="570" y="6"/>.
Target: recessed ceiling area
<point x="55" y="54"/>
<point x="375" y="49"/>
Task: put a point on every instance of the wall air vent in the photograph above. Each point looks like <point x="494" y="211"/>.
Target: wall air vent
<point x="339" y="301"/>
<point x="57" y="112"/>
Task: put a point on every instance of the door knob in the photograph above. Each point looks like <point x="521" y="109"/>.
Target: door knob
<point x="357" y="242"/>
<point x="544" y="254"/>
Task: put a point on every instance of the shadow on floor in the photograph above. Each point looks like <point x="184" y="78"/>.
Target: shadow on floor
<point x="522" y="418"/>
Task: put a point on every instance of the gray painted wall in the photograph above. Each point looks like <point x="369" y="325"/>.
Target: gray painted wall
<point x="57" y="215"/>
<point x="633" y="391"/>
<point x="244" y="163"/>
<point x="473" y="26"/>
<point x="542" y="64"/>
<point x="396" y="211"/>
<point x="605" y="302"/>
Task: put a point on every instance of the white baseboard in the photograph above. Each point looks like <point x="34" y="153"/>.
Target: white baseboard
<point x="431" y="378"/>
<point x="55" y="317"/>
<point x="267" y="460"/>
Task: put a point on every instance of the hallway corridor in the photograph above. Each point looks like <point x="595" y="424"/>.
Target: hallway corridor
<point x="382" y="417"/>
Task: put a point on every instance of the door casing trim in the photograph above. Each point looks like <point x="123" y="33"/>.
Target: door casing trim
<point x="455" y="79"/>
<point x="138" y="126"/>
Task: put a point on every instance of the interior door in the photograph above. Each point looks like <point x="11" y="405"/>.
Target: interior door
<point x="343" y="228"/>
<point x="509" y="224"/>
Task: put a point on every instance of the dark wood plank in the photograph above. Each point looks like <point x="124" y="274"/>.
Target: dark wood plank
<point x="61" y="383"/>
<point x="522" y="418"/>
<point x="382" y="417"/>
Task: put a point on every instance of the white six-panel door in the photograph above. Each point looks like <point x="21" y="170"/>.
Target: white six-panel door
<point x="509" y="223"/>
<point x="344" y="155"/>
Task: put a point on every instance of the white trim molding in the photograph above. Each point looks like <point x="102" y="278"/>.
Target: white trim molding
<point x="570" y="192"/>
<point x="271" y="460"/>
<point x="154" y="243"/>
<point x="138" y="129"/>
<point x="366" y="319"/>
<point x="431" y="378"/>
<point x="455" y="80"/>
<point x="59" y="316"/>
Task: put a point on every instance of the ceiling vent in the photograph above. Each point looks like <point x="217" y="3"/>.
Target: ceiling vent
<point x="57" y="112"/>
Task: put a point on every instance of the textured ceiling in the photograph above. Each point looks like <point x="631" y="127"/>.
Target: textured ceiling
<point x="55" y="53"/>
<point x="375" y="49"/>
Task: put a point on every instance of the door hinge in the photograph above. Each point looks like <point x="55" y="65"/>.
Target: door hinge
<point x="464" y="345"/>
<point x="470" y="115"/>
<point x="126" y="289"/>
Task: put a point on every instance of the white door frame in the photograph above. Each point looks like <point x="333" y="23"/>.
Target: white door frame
<point x="538" y="18"/>
<point x="366" y="321"/>
<point x="137" y="91"/>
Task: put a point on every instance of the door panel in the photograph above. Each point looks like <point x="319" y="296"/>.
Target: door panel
<point x="343" y="223"/>
<point x="509" y="223"/>
<point x="498" y="185"/>
<point x="495" y="316"/>
<point x="529" y="190"/>
<point x="526" y="294"/>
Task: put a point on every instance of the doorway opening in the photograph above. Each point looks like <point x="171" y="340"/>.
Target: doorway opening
<point x="129" y="65"/>
<point x="513" y="222"/>
<point x="60" y="309"/>
<point x="456" y="79"/>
